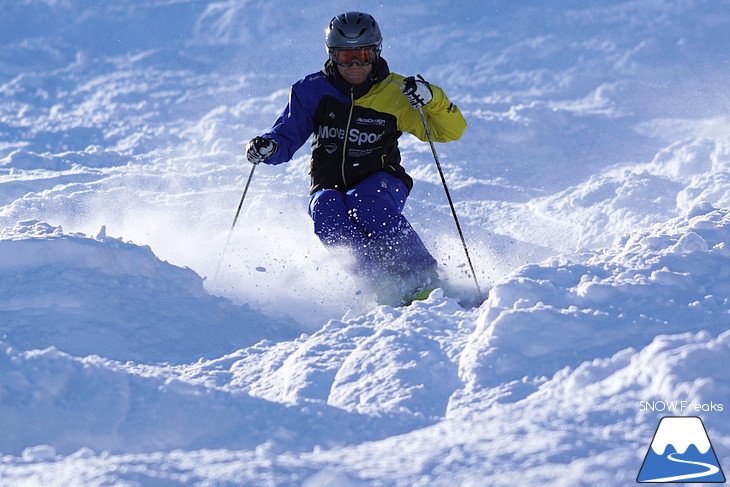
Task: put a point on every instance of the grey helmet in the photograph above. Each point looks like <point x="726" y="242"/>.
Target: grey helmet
<point x="353" y="30"/>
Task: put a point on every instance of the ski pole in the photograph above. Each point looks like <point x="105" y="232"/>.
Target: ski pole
<point x="235" y="219"/>
<point x="451" y="203"/>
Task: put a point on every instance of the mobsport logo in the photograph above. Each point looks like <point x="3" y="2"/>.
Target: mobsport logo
<point x="356" y="136"/>
<point x="364" y="137"/>
<point x="327" y="132"/>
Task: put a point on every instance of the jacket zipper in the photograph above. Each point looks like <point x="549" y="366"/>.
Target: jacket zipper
<point x="347" y="130"/>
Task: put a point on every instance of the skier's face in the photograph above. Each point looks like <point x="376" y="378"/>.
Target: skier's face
<point x="355" y="74"/>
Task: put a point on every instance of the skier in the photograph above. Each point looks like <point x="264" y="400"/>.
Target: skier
<point x="356" y="110"/>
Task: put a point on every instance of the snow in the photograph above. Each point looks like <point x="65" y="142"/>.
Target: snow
<point x="592" y="185"/>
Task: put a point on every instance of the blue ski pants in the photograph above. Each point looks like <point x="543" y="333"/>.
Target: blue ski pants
<point x="367" y="220"/>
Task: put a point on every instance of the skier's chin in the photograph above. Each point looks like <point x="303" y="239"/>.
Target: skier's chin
<point x="355" y="74"/>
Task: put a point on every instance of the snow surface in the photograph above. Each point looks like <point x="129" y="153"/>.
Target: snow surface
<point x="593" y="185"/>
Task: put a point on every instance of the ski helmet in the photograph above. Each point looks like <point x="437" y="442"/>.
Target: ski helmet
<point x="353" y="30"/>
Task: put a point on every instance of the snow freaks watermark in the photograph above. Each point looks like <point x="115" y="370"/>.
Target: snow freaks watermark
<point x="680" y="451"/>
<point x="680" y="407"/>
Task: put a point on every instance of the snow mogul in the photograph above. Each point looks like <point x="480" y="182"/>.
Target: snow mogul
<point x="356" y="109"/>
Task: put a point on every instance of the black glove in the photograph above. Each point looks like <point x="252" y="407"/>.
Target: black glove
<point x="417" y="90"/>
<point x="259" y="149"/>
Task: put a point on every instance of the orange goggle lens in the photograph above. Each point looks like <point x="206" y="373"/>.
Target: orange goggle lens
<point x="348" y="57"/>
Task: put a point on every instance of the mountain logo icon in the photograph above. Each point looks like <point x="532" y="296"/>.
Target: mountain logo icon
<point x="681" y="452"/>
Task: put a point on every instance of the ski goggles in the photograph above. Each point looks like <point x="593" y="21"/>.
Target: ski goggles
<point x="348" y="57"/>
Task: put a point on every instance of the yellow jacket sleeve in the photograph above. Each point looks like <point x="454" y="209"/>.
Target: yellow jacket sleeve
<point x="445" y="121"/>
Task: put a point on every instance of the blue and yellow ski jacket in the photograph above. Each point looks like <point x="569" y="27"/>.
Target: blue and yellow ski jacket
<point x="356" y="128"/>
